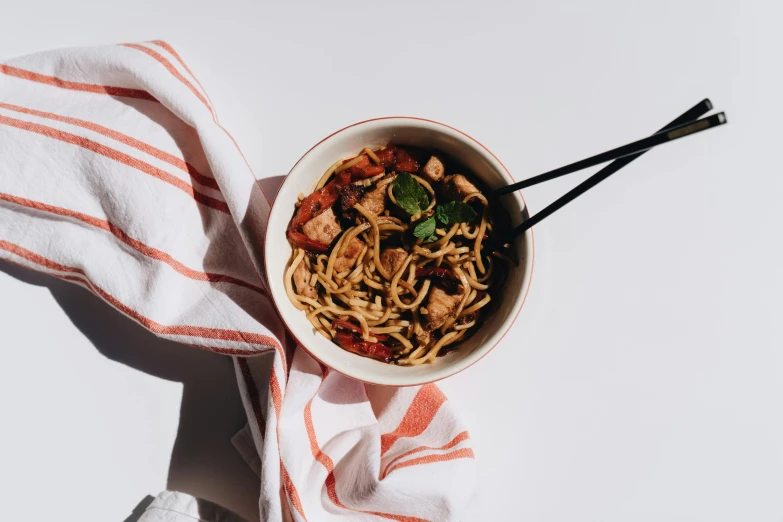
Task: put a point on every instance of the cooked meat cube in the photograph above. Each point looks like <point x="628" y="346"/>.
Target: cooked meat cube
<point x="423" y="337"/>
<point x="349" y="256"/>
<point x="392" y="259"/>
<point x="375" y="200"/>
<point x="323" y="227"/>
<point x="433" y="170"/>
<point x="302" y="281"/>
<point x="458" y="186"/>
<point x="441" y="305"/>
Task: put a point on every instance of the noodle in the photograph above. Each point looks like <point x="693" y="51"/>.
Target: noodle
<point x="371" y="154"/>
<point x="293" y="296"/>
<point x="348" y="164"/>
<point x="434" y="255"/>
<point x="376" y="243"/>
<point x="476" y="306"/>
<point x="327" y="174"/>
<point x="396" y="296"/>
<point x="433" y="199"/>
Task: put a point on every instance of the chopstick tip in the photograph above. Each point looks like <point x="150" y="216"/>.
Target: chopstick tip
<point x="722" y="117"/>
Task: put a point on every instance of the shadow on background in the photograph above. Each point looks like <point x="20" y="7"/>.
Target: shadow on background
<point x="270" y="186"/>
<point x="203" y="461"/>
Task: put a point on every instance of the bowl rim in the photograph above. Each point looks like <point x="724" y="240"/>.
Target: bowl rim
<point x="290" y="330"/>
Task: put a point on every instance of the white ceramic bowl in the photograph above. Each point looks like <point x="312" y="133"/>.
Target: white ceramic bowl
<point x="346" y="143"/>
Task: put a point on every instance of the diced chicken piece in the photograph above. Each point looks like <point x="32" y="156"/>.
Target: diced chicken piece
<point x="441" y="305"/>
<point x="302" y="281"/>
<point x="349" y="255"/>
<point x="433" y="170"/>
<point x="458" y="186"/>
<point x="375" y="200"/>
<point x="423" y="337"/>
<point x="392" y="259"/>
<point x="323" y="227"/>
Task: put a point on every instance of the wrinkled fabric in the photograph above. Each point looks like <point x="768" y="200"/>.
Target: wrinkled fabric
<point x="116" y="175"/>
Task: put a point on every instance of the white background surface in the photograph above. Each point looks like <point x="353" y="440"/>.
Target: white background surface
<point x="644" y="378"/>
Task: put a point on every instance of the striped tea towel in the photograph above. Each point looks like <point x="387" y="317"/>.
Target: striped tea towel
<point x="115" y="174"/>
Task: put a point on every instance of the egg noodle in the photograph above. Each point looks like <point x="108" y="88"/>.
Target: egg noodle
<point x="390" y="309"/>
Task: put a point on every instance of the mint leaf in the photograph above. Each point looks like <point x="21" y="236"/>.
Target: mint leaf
<point x="433" y="237"/>
<point x="425" y="229"/>
<point x="455" y="212"/>
<point x="409" y="194"/>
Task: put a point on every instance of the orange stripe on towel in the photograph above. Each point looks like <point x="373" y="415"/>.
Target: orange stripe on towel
<point x="453" y="442"/>
<point x="155" y="327"/>
<point x="173" y="70"/>
<point x="140" y="247"/>
<point x="123" y="138"/>
<point x="326" y="462"/>
<point x="422" y="410"/>
<point x="118" y="156"/>
<point x="75" y="86"/>
<point x="462" y="453"/>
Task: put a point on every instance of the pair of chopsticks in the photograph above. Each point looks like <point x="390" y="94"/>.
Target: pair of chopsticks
<point x="684" y="125"/>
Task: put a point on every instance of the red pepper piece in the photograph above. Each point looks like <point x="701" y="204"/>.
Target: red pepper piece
<point x="448" y="281"/>
<point x="311" y="206"/>
<point x="405" y="162"/>
<point x="347" y="325"/>
<point x="364" y="162"/>
<point x="350" y="342"/>
<point x="302" y="241"/>
<point x="387" y="156"/>
<point x="372" y="170"/>
<point x="364" y="169"/>
<point x="435" y="271"/>
<point x="319" y="200"/>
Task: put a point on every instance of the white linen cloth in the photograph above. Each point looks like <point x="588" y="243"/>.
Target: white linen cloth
<point x="116" y="175"/>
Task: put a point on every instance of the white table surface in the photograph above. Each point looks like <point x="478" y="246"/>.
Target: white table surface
<point x="642" y="382"/>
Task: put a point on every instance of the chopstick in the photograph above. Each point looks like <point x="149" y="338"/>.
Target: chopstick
<point x="636" y="147"/>
<point x="691" y="114"/>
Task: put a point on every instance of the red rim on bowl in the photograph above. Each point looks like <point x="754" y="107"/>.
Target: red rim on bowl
<point x="505" y="172"/>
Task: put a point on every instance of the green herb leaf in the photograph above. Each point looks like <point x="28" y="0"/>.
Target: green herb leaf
<point x="455" y="212"/>
<point x="433" y="237"/>
<point x="425" y="229"/>
<point x="409" y="194"/>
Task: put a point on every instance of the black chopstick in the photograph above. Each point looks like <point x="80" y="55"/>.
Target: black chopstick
<point x="691" y="114"/>
<point x="636" y="147"/>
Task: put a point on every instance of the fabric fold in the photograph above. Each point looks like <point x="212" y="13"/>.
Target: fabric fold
<point x="116" y="175"/>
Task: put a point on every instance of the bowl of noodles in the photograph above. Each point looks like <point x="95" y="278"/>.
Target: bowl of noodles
<point x="388" y="257"/>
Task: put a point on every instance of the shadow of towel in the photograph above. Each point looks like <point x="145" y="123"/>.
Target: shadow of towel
<point x="138" y="511"/>
<point x="203" y="462"/>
